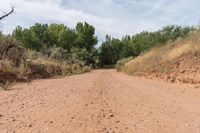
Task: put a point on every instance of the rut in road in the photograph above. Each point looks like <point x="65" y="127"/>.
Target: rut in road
<point x="100" y="101"/>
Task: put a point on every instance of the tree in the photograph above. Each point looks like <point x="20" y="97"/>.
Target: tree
<point x="67" y="38"/>
<point x="85" y="34"/>
<point x="46" y="38"/>
<point x="110" y="51"/>
<point x="114" y="49"/>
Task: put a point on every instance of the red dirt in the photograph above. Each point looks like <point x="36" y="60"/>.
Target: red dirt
<point x="100" y="101"/>
<point x="183" y="70"/>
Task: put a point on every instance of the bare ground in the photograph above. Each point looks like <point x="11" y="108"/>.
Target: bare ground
<point x="100" y="101"/>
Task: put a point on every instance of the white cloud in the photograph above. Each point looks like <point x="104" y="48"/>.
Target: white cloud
<point x="115" y="17"/>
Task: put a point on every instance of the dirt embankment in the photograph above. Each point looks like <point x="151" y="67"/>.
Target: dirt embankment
<point x="183" y="70"/>
<point x="100" y="101"/>
<point x="175" y="62"/>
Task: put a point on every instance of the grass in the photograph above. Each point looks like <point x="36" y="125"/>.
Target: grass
<point x="159" y="58"/>
<point x="37" y="68"/>
<point x="120" y="64"/>
<point x="20" y="64"/>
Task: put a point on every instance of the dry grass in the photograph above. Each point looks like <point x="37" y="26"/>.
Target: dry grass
<point x="46" y="62"/>
<point x="37" y="68"/>
<point x="158" y="58"/>
<point x="7" y="85"/>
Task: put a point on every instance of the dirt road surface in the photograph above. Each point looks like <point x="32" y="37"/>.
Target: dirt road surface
<point x="101" y="101"/>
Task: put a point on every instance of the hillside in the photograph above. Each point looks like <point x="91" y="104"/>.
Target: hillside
<point x="177" y="61"/>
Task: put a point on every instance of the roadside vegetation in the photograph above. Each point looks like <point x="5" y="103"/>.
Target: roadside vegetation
<point x="121" y="63"/>
<point x="176" y="61"/>
<point x="44" y="51"/>
<point x="114" y="49"/>
<point x="49" y="50"/>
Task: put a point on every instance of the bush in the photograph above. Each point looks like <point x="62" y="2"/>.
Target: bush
<point x="32" y="54"/>
<point x="58" y="53"/>
<point x="77" y="69"/>
<point x="11" y="50"/>
<point x="120" y="63"/>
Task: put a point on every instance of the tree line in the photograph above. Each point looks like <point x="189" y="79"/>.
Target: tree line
<point x="114" y="49"/>
<point x="76" y="43"/>
<point x="80" y="42"/>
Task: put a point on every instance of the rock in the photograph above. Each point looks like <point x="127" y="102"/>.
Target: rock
<point x="111" y="115"/>
<point x="117" y="121"/>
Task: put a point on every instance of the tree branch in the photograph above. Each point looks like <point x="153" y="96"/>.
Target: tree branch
<point x="7" y="14"/>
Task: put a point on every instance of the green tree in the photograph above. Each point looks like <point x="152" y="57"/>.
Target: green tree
<point x="85" y="36"/>
<point x="114" y="49"/>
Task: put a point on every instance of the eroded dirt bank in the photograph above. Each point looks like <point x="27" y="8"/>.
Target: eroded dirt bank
<point x="100" y="101"/>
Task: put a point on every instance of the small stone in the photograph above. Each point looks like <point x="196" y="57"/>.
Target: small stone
<point x="111" y="115"/>
<point x="117" y="121"/>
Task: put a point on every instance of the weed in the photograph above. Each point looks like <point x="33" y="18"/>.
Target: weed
<point x="7" y="85"/>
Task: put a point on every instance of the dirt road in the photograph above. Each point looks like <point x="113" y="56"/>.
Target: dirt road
<point x="100" y="101"/>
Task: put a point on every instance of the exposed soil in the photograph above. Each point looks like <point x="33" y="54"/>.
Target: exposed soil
<point x="182" y="70"/>
<point x="100" y="101"/>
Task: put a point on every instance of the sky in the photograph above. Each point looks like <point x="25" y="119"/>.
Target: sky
<point x="114" y="17"/>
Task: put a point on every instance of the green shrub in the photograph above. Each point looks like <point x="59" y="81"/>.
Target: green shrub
<point x="122" y="62"/>
<point x="58" y="53"/>
<point x="32" y="54"/>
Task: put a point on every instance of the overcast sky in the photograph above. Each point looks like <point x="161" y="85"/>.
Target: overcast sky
<point x="114" y="17"/>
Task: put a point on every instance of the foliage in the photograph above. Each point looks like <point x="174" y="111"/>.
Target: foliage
<point x="58" y="53"/>
<point x="43" y="36"/>
<point x="59" y="42"/>
<point x="114" y="49"/>
<point x="110" y="50"/>
<point x="120" y="63"/>
<point x="85" y="36"/>
<point x="89" y="57"/>
<point x="168" y="58"/>
<point x="32" y="54"/>
<point x="11" y="50"/>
